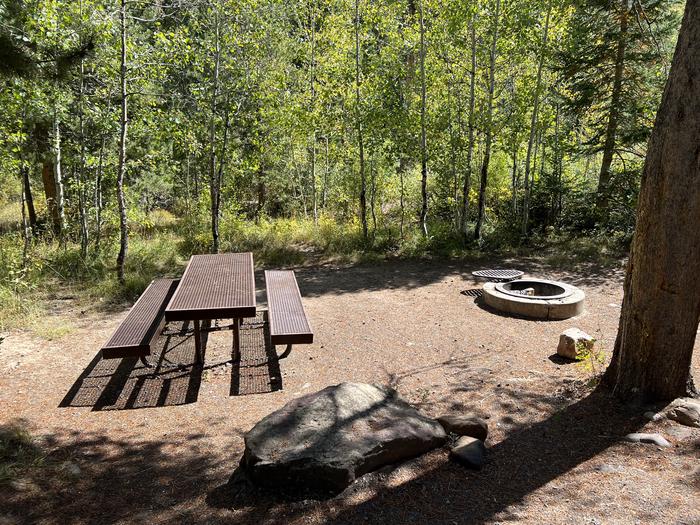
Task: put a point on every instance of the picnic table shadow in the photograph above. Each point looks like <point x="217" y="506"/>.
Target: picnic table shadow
<point x="173" y="377"/>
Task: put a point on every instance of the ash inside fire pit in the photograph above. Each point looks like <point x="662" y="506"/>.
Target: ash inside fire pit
<point x="534" y="288"/>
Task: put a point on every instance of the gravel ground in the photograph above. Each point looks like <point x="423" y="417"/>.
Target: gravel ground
<point x="123" y="445"/>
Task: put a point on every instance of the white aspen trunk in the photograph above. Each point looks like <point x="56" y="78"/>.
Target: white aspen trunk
<point x="121" y="168"/>
<point x="533" y="125"/>
<point x="489" y="126"/>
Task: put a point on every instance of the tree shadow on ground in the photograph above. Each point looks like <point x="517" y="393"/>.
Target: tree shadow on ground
<point x="410" y="274"/>
<point x="182" y="478"/>
<point x="96" y="478"/>
<point x="530" y="457"/>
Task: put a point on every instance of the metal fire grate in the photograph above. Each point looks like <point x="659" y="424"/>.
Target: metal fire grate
<point x="498" y="275"/>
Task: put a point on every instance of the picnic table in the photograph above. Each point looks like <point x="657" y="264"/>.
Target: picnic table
<point x="213" y="286"/>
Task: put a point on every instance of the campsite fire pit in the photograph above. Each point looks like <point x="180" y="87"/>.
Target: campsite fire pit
<point x="536" y="298"/>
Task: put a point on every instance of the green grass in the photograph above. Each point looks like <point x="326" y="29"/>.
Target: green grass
<point x="160" y="245"/>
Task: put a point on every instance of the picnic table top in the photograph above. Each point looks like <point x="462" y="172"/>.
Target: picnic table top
<point x="215" y="286"/>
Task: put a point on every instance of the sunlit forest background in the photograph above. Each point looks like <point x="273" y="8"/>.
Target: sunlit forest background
<point x="135" y="133"/>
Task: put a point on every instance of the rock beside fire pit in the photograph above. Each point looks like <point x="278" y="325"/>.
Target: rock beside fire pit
<point x="327" y="439"/>
<point x="572" y="341"/>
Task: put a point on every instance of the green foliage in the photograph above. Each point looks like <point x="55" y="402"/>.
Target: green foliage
<point x="591" y="360"/>
<point x="261" y="94"/>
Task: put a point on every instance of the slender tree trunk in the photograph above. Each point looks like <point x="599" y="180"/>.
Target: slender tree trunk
<point x="603" y="197"/>
<point x="470" y="146"/>
<point x="29" y="199"/>
<point x="214" y="183"/>
<point x="81" y="171"/>
<point x="324" y="192"/>
<point x="514" y="177"/>
<point x="533" y="124"/>
<point x="661" y="307"/>
<point x="58" y="176"/>
<point x="373" y="195"/>
<point x="358" y="124"/>
<point x="402" y="205"/>
<point x="121" y="167"/>
<point x="23" y="173"/>
<point x="557" y="162"/>
<point x="98" y="197"/>
<point x="489" y="126"/>
<point x="423" y="145"/>
<point x="312" y="145"/>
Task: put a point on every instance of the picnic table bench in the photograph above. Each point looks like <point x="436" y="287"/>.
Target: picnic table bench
<point x="213" y="286"/>
<point x="288" y="322"/>
<point x="136" y="333"/>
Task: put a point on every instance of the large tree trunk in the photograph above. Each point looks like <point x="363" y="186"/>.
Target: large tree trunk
<point x="470" y="139"/>
<point x="358" y="124"/>
<point x="533" y="124"/>
<point x="489" y="127"/>
<point x="661" y="308"/>
<point x="121" y="168"/>
<point x="614" y="113"/>
<point x="423" y="145"/>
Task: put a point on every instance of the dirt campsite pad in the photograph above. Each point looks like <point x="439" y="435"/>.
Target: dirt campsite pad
<point x="116" y="443"/>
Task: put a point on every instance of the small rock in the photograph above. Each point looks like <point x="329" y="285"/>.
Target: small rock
<point x="469" y="452"/>
<point x="685" y="411"/>
<point x="465" y="425"/>
<point x="70" y="468"/>
<point x="653" y="416"/>
<point x="572" y="341"/>
<point x="654" y="439"/>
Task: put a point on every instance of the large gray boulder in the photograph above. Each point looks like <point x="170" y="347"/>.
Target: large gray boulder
<point x="327" y="439"/>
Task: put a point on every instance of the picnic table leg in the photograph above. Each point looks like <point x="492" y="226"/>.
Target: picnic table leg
<point x="197" y="342"/>
<point x="236" y="338"/>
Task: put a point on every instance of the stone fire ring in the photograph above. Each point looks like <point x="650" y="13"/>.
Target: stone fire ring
<point x="563" y="300"/>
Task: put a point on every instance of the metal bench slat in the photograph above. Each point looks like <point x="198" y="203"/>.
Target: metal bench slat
<point x="288" y="321"/>
<point x="133" y="336"/>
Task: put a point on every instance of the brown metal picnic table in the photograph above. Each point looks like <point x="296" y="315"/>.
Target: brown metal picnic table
<point x="214" y="286"/>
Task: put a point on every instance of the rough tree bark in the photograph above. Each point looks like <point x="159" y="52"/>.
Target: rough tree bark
<point x="661" y="307"/>
<point x="489" y="126"/>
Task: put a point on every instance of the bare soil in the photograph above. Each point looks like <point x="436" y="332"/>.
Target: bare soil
<point x="125" y="444"/>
